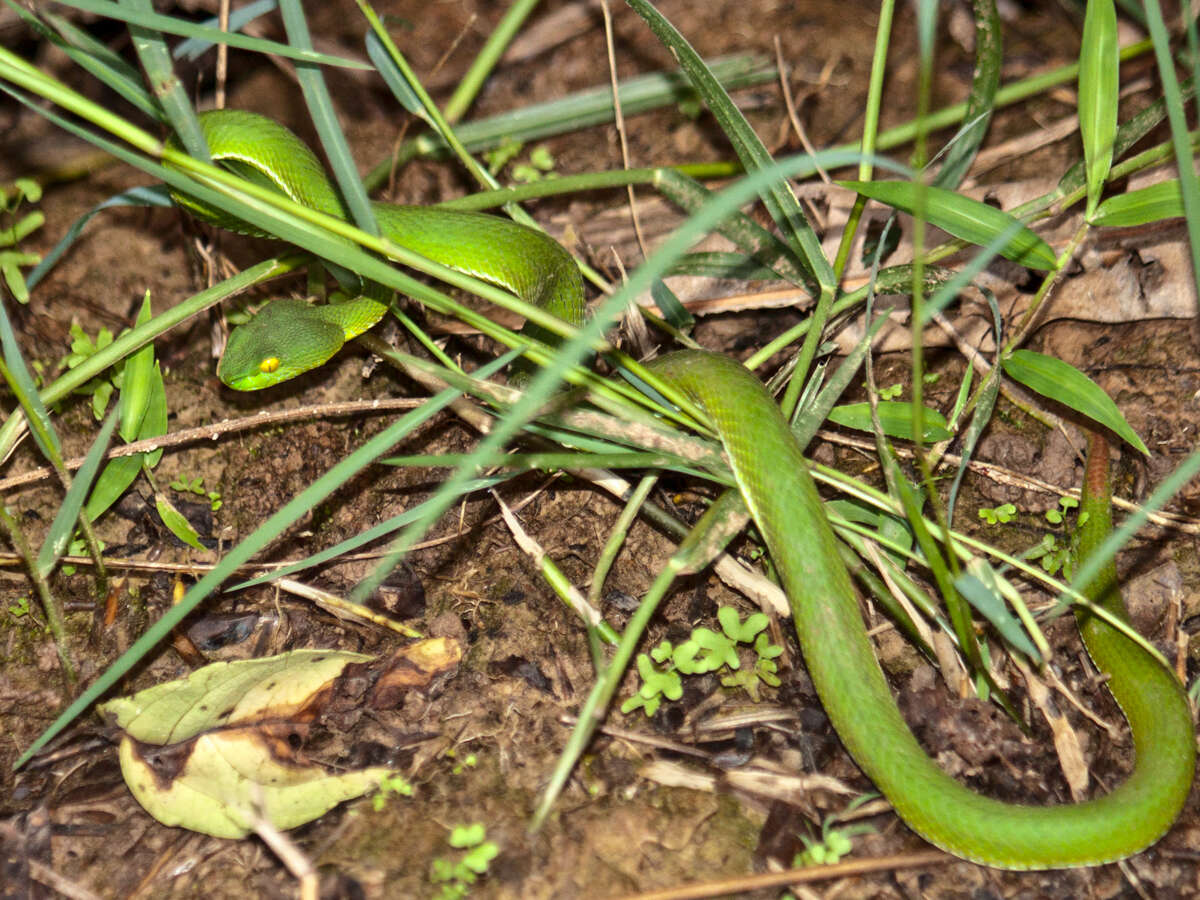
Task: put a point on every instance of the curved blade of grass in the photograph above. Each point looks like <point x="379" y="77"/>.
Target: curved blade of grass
<point x="689" y="195"/>
<point x="146" y="195"/>
<point x="1180" y="139"/>
<point x="58" y="537"/>
<point x="329" y="130"/>
<point x="1062" y="382"/>
<point x="171" y="25"/>
<point x="949" y="290"/>
<point x="168" y="90"/>
<point x="813" y="415"/>
<point x="583" y="109"/>
<point x="292" y="511"/>
<point x="382" y="530"/>
<point x="193" y="48"/>
<point x="94" y="58"/>
<point x="982" y="100"/>
<point x="1099" y="75"/>
<point x="1141" y="207"/>
<point x="778" y="197"/>
<point x="722" y="264"/>
<point x="24" y="389"/>
<point x="967" y="219"/>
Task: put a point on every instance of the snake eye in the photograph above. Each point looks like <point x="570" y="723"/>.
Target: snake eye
<point x="269" y="365"/>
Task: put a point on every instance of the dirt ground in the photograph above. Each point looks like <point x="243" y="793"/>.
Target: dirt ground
<point x="694" y="794"/>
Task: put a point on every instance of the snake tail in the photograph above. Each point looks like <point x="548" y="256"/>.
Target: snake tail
<point x="774" y="478"/>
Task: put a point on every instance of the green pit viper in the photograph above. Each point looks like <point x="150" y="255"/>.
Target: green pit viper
<point x="289" y="337"/>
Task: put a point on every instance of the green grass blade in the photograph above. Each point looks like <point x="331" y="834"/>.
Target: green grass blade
<point x="1062" y="382"/>
<point x="96" y="59"/>
<point x="193" y="48"/>
<point x="689" y="195"/>
<point x="1180" y="139"/>
<point x="583" y="109"/>
<point x="967" y="219"/>
<point x="58" y="537"/>
<point x="168" y="91"/>
<point x="21" y="383"/>
<point x="329" y="130"/>
<point x="146" y="195"/>
<point x="382" y="530"/>
<point x="989" y="605"/>
<point x="171" y="25"/>
<point x="778" y="197"/>
<point x="989" y="52"/>
<point x="1099" y="75"/>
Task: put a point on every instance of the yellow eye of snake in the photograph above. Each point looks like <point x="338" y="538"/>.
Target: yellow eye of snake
<point x="269" y="365"/>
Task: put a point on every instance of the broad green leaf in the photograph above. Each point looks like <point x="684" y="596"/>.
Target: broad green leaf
<point x="1060" y="381"/>
<point x="210" y="751"/>
<point x="896" y="419"/>
<point x="1141" y="207"/>
<point x="174" y="520"/>
<point x="970" y="220"/>
<point x="1099" y="73"/>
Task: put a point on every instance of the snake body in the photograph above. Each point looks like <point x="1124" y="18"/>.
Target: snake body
<point x="774" y="478"/>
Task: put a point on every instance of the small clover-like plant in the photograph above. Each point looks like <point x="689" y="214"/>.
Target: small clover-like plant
<point x="891" y="392"/>
<point x="656" y="684"/>
<point x="1052" y="554"/>
<point x="835" y="839"/>
<point x="100" y="389"/>
<point x="999" y="515"/>
<point x="457" y="876"/>
<point x="390" y="786"/>
<point x="1055" y="552"/>
<point x="707" y="651"/>
<point x="1056" y="516"/>
<point x="196" y="486"/>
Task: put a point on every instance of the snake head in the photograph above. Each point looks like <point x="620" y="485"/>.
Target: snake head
<point x="284" y="340"/>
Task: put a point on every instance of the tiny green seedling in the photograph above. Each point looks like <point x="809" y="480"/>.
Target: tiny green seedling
<point x="196" y="486"/>
<point x="706" y="651"/>
<point x="457" y="876"/>
<point x="19" y="608"/>
<point x="540" y="166"/>
<point x="891" y="392"/>
<point x="1055" y="552"/>
<point x="390" y="786"/>
<point x="998" y="515"/>
<point x="469" y="761"/>
<point x="12" y="259"/>
<point x="835" y="839"/>
<point x="83" y="348"/>
<point x="1056" y="516"/>
<point x="77" y="547"/>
